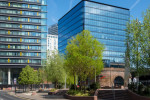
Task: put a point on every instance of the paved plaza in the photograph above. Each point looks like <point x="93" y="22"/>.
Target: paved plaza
<point x="38" y="96"/>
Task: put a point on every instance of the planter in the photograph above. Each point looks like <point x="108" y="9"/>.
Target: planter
<point x="41" y="90"/>
<point x="134" y="96"/>
<point x="52" y="93"/>
<point x="80" y="97"/>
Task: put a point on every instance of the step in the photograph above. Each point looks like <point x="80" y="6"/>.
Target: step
<point x="109" y="95"/>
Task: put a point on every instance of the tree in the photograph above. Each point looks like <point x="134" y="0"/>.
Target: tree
<point x="135" y="39"/>
<point x="54" y="69"/>
<point x="84" y="56"/>
<point x="138" y="44"/>
<point x="40" y="76"/>
<point x="146" y="37"/>
<point x="127" y="55"/>
<point x="26" y="76"/>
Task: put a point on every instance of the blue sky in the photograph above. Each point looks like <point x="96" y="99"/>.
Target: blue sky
<point x="57" y="8"/>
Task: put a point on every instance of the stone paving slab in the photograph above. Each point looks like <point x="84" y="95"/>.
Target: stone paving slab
<point x="38" y="96"/>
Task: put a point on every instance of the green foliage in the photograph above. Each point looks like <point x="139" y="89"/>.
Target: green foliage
<point x="72" y="87"/>
<point x="147" y="90"/>
<point x="53" y="90"/>
<point x="95" y="86"/>
<point x="40" y="76"/>
<point x="27" y="76"/>
<point x="54" y="69"/>
<point x="59" y="85"/>
<point x="35" y="81"/>
<point x="84" y="56"/>
<point x="138" y="44"/>
<point x="132" y="87"/>
<point x="82" y="94"/>
<point x="140" y="89"/>
<point x="146" y="36"/>
<point x="91" y="92"/>
<point x="77" y="93"/>
<point x="69" y="79"/>
<point x="72" y="92"/>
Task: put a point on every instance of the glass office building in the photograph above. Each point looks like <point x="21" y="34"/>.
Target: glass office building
<point x="23" y="31"/>
<point x="53" y="29"/>
<point x="105" y="22"/>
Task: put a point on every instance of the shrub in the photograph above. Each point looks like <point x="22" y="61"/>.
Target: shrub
<point x="140" y="89"/>
<point x="72" y="87"/>
<point x="81" y="94"/>
<point x="77" y="93"/>
<point x="147" y="90"/>
<point x="95" y="86"/>
<point x="53" y="90"/>
<point x="60" y="86"/>
<point x="91" y="92"/>
<point x="132" y="87"/>
<point x="72" y="92"/>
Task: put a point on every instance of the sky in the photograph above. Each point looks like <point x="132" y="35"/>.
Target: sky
<point x="57" y="8"/>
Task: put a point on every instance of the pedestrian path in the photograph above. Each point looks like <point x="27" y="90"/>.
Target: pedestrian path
<point x="38" y="96"/>
<point x="5" y="96"/>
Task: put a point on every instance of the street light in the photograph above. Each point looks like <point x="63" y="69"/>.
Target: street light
<point x="108" y="61"/>
<point x="110" y="79"/>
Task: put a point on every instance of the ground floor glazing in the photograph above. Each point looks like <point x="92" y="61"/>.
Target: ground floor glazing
<point x="8" y="75"/>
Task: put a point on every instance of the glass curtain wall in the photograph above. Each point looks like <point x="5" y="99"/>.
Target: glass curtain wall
<point x="23" y="31"/>
<point x="106" y="23"/>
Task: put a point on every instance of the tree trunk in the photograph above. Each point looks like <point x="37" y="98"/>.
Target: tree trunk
<point x="74" y="82"/>
<point x="80" y="84"/>
<point x="56" y="85"/>
<point x="31" y="87"/>
<point x="28" y="88"/>
<point x="47" y="79"/>
<point x="137" y="61"/>
<point x="25" y="88"/>
<point x="84" y="85"/>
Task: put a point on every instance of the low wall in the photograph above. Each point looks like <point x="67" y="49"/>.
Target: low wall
<point x="134" y="96"/>
<point x="80" y="97"/>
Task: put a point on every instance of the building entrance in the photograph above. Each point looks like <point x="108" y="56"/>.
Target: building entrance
<point x="119" y="81"/>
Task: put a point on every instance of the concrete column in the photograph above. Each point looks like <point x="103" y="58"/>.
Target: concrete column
<point x="9" y="77"/>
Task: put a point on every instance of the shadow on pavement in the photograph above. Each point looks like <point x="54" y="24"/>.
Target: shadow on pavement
<point x="53" y="97"/>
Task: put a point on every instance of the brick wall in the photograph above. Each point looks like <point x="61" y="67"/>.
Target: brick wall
<point x="110" y="75"/>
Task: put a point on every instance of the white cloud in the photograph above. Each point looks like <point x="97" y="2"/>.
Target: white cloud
<point x="137" y="1"/>
<point x="54" y="20"/>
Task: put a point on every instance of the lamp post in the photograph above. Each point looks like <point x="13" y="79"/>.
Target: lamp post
<point x="110" y="71"/>
<point x="111" y="85"/>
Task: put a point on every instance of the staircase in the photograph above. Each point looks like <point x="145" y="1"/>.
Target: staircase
<point x="109" y="94"/>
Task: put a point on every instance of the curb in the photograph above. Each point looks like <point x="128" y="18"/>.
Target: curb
<point x="20" y="97"/>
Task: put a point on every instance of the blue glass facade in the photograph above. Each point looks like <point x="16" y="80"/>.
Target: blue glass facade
<point x="105" y="22"/>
